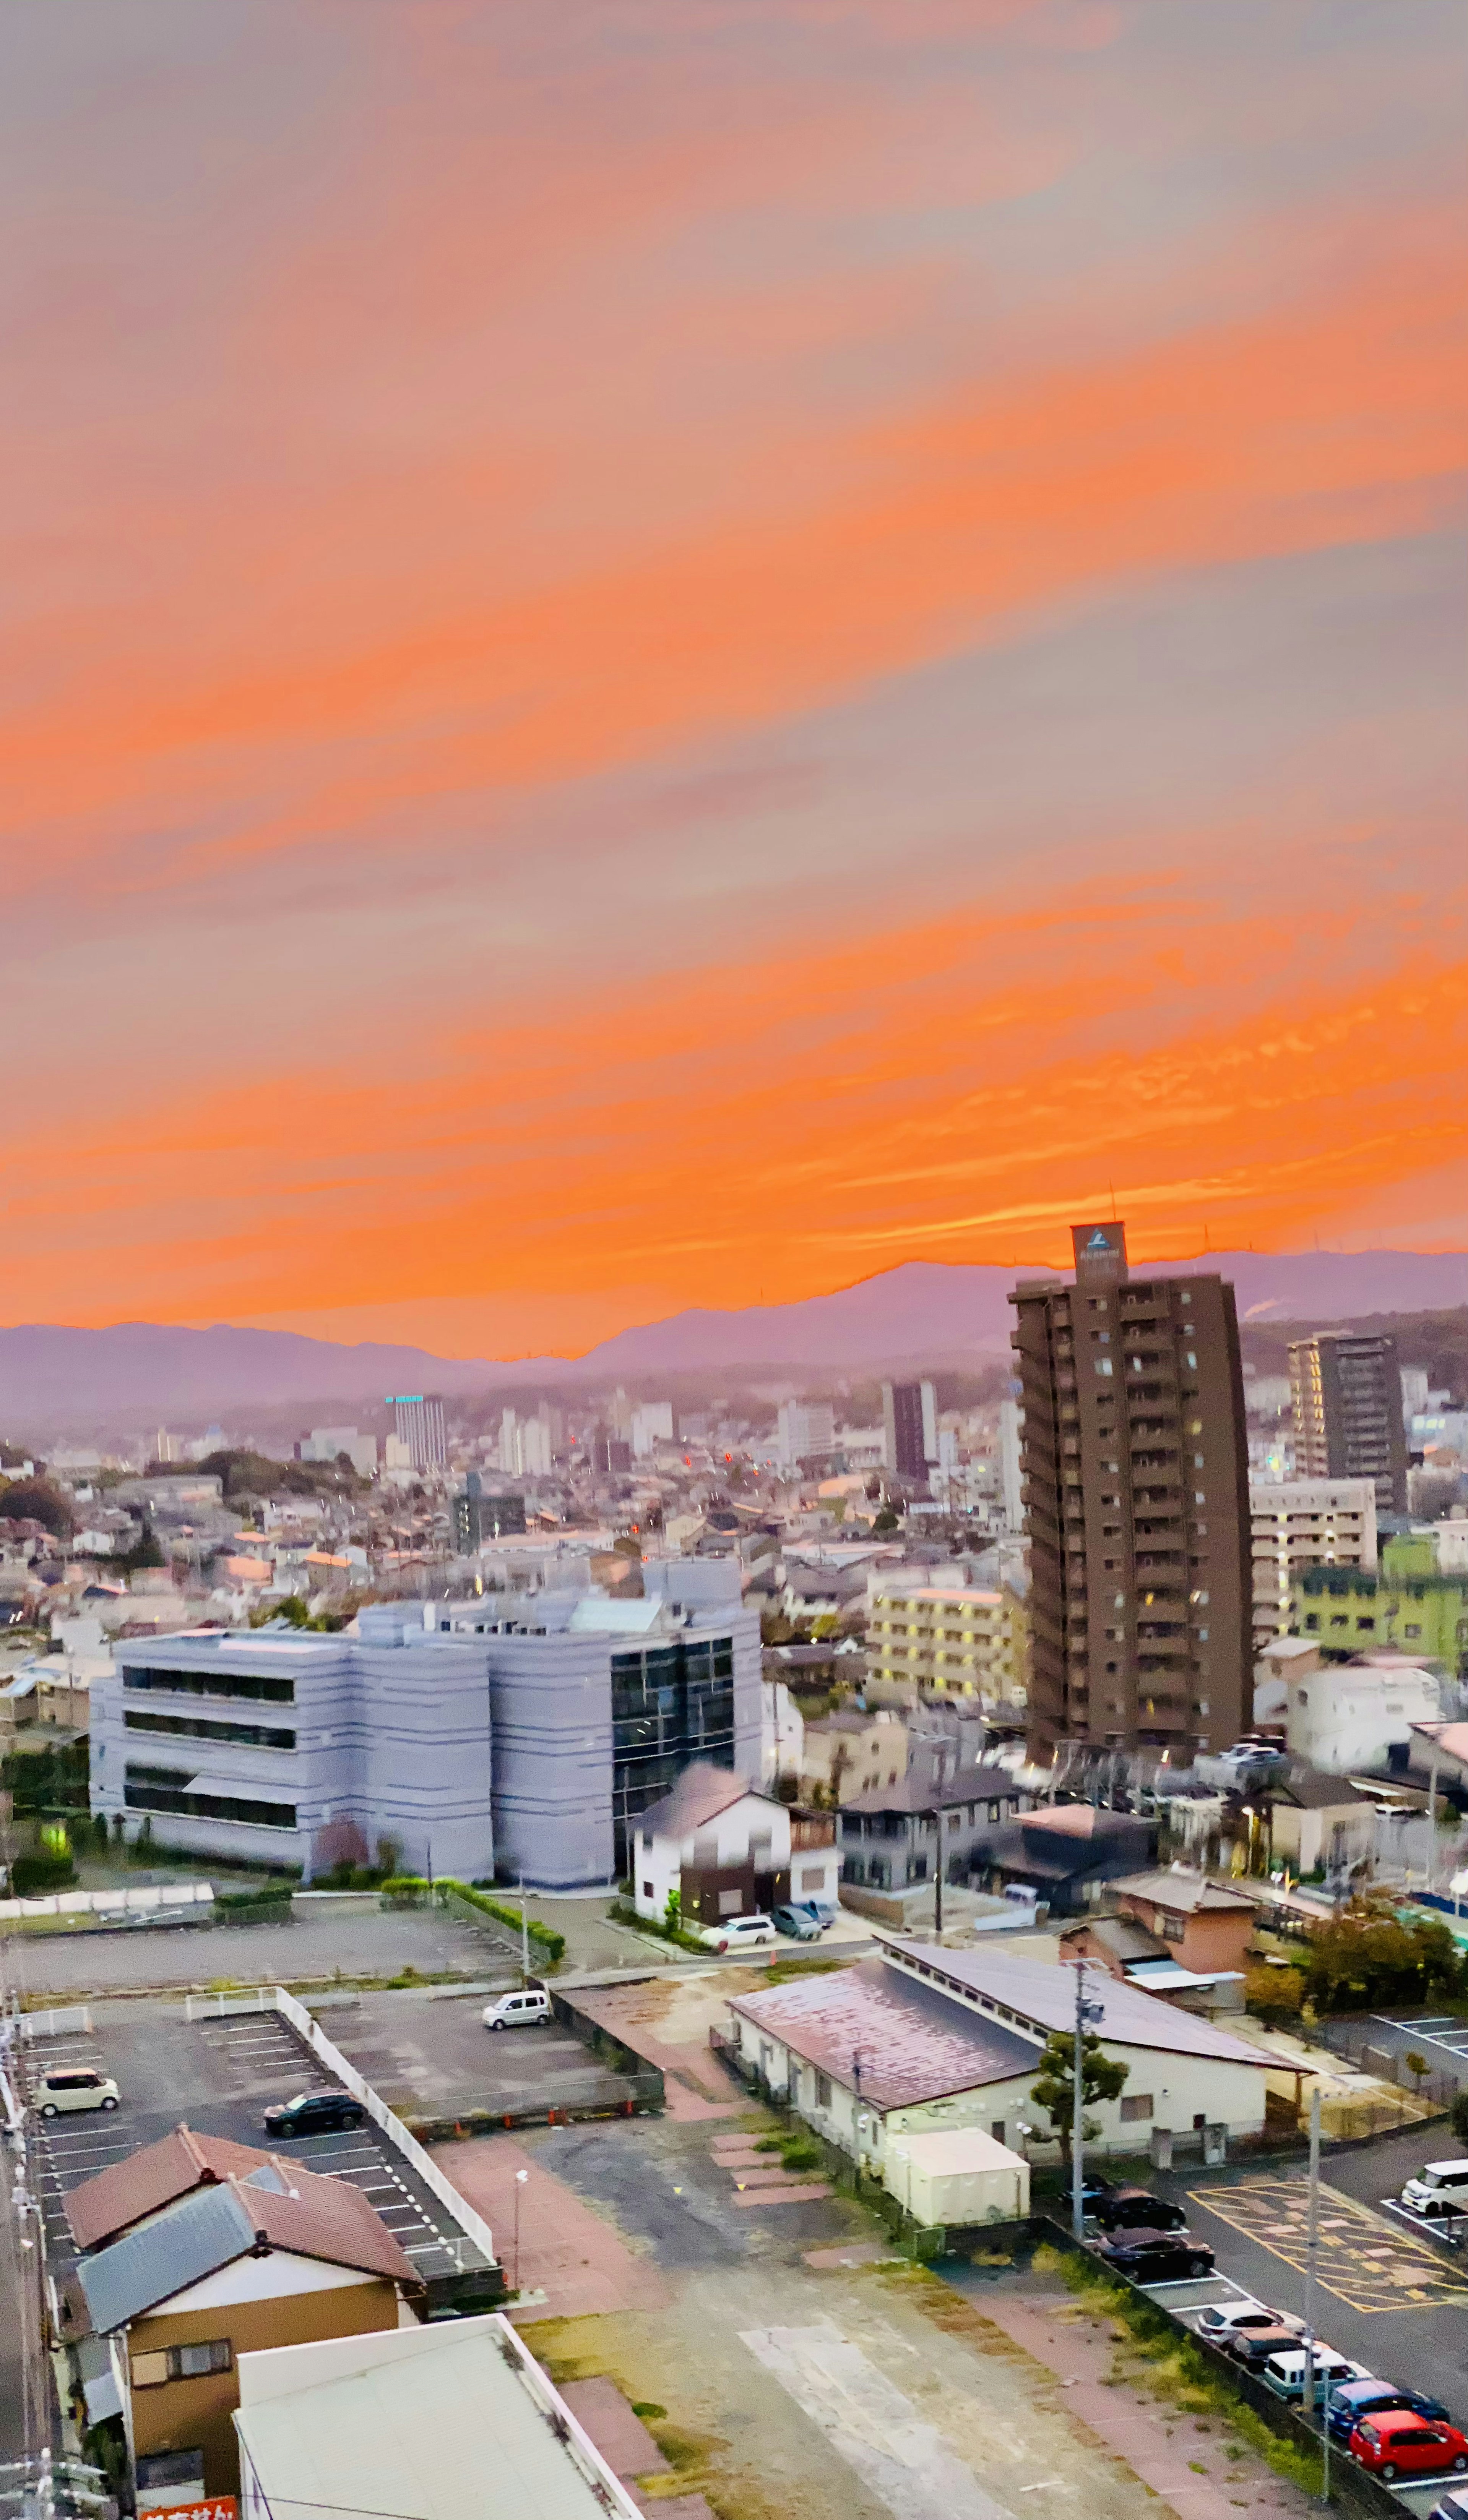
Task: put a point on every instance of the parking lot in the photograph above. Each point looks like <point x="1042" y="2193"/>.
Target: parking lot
<point x="309" y="1950"/>
<point x="1391" y="2294"/>
<point x="218" y="2076"/>
<point x="430" y="2056"/>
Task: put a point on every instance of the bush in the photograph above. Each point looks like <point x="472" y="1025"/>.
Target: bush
<point x="1460" y="2117"/>
<point x="37" y="1876"/>
<point x="1274" y="1995"/>
<point x="404" y="1887"/>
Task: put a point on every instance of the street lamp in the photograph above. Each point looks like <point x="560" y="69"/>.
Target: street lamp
<point x="521" y="2177"/>
<point x="1089" y="2014"/>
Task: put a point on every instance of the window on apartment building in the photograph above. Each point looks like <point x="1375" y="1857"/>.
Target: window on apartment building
<point x="1134" y="2106"/>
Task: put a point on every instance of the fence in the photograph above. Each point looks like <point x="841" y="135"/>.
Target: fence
<point x="150" y="1900"/>
<point x="58" y="2024"/>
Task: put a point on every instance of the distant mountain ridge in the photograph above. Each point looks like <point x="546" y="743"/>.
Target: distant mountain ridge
<point x="54" y="1377"/>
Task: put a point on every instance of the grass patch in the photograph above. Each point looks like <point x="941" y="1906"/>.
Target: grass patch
<point x="780" y="1971"/>
<point x="648" y="2409"/>
<point x="1173" y="2367"/>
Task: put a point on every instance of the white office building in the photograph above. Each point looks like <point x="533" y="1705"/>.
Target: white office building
<point x="807" y="1431"/>
<point x="530" y="1732"/>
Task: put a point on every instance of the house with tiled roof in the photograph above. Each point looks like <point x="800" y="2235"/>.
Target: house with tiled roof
<point x="926" y="2038"/>
<point x="210" y="2250"/>
<point x="726" y="1848"/>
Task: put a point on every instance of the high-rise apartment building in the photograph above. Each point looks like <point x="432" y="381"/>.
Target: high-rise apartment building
<point x="909" y="1424"/>
<point x="807" y="1431"/>
<point x="1300" y="1523"/>
<point x="1135" y="1467"/>
<point x="1345" y="1395"/>
<point x="419" y="1423"/>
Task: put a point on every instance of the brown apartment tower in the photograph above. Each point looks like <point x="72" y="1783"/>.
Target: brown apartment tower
<point x="1135" y="1469"/>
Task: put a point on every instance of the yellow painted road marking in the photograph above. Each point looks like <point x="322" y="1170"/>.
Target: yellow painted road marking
<point x="1359" y="2258"/>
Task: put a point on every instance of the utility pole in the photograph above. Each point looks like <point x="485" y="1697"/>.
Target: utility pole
<point x="937" y="1886"/>
<point x="1087" y="2013"/>
<point x="524" y="1939"/>
<point x="1312" y="2243"/>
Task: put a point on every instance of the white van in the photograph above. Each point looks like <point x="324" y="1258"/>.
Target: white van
<point x="517" y="2011"/>
<point x="75" y="2087"/>
<point x="739" y="1933"/>
<point x="1439" y="2187"/>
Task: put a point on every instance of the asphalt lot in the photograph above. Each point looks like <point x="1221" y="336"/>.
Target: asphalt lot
<point x="217" y="2077"/>
<point x="432" y="2057"/>
<point x="374" y="1943"/>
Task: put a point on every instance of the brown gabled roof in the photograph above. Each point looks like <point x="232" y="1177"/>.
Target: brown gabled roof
<point x="325" y="2218"/>
<point x="701" y="1793"/>
<point x="103" y="2207"/>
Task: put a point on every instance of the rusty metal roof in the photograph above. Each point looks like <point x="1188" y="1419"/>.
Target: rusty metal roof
<point x="912" y="2045"/>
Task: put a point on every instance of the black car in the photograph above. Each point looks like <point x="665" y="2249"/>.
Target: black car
<point x="1134" y="2209"/>
<point x="314" y="2113"/>
<point x="1253" y="2346"/>
<point x="1156" y="2257"/>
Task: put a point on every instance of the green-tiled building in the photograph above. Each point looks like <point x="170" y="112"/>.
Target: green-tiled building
<point x="1407" y="1606"/>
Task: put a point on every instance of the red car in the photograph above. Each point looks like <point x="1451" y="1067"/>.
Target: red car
<point x="1406" y="2445"/>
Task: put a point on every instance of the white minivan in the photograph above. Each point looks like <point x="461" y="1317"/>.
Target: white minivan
<point x="739" y="1933"/>
<point x="75" y="2087"/>
<point x="1439" y="2187"/>
<point x="517" y="2011"/>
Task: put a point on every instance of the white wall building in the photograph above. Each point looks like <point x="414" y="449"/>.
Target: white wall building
<point x="650" y="1424"/>
<point x="1299" y="1523"/>
<point x="1350" y="1716"/>
<point x="1010" y="1417"/>
<point x="806" y="1431"/>
<point x="326" y="1443"/>
<point x="926" y="2038"/>
<point x="728" y="1849"/>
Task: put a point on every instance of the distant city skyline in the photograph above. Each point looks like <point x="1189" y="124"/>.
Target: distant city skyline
<point x="662" y="654"/>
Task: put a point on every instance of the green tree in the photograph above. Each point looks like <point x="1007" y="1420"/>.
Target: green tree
<point x="885" y="1520"/>
<point x="1459" y="2114"/>
<point x="1054" y="2087"/>
<point x="1368" y="1958"/>
<point x="37" y="1500"/>
<point x="1417" y="2066"/>
<point x="672" y="1914"/>
<point x="1274" y="1995"/>
<point x="145" y="1551"/>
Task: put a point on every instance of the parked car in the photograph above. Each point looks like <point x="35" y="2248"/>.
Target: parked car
<point x="1284" y="2373"/>
<point x="529" y="2004"/>
<point x="798" y="1922"/>
<point x="1403" y="2445"/>
<point x="1454" y="2506"/>
<point x="1223" y="2319"/>
<point x="1156" y="2257"/>
<point x="1255" y="2346"/>
<point x="1136" y="2209"/>
<point x="1439" y="2187"/>
<point x="1092" y="2187"/>
<point x="820" y="1908"/>
<point x="738" y="1933"/>
<point x="1348" y="2407"/>
<point x="75" y="2087"/>
<point x="314" y="2113"/>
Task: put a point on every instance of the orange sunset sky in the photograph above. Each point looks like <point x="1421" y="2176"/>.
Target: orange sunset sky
<point x="665" y="651"/>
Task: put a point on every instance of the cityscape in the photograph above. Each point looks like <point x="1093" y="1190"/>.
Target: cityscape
<point x="734" y="1264"/>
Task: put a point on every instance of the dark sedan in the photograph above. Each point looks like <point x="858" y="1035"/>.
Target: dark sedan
<point x="1135" y="2209"/>
<point x="1156" y="2257"/>
<point x="1253" y="2346"/>
<point x="314" y="2113"/>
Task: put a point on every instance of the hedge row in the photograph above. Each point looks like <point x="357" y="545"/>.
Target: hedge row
<point x="551" y="1944"/>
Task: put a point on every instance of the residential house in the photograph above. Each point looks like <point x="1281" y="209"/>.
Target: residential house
<point x="1318" y="1824"/>
<point x="850" y="1753"/>
<point x="726" y="1848"/>
<point x="1065" y="1852"/>
<point x="453" y="2421"/>
<point x="1174" y="1934"/>
<point x="1347" y="1717"/>
<point x="267" y="2255"/>
<point x="890" y="1835"/>
<point x="924" y="2038"/>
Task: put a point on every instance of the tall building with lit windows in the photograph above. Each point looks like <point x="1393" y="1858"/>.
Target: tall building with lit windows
<point x="419" y="1423"/>
<point x="1134" y="1466"/>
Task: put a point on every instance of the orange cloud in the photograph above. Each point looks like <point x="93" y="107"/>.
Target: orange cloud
<point x="954" y="1091"/>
